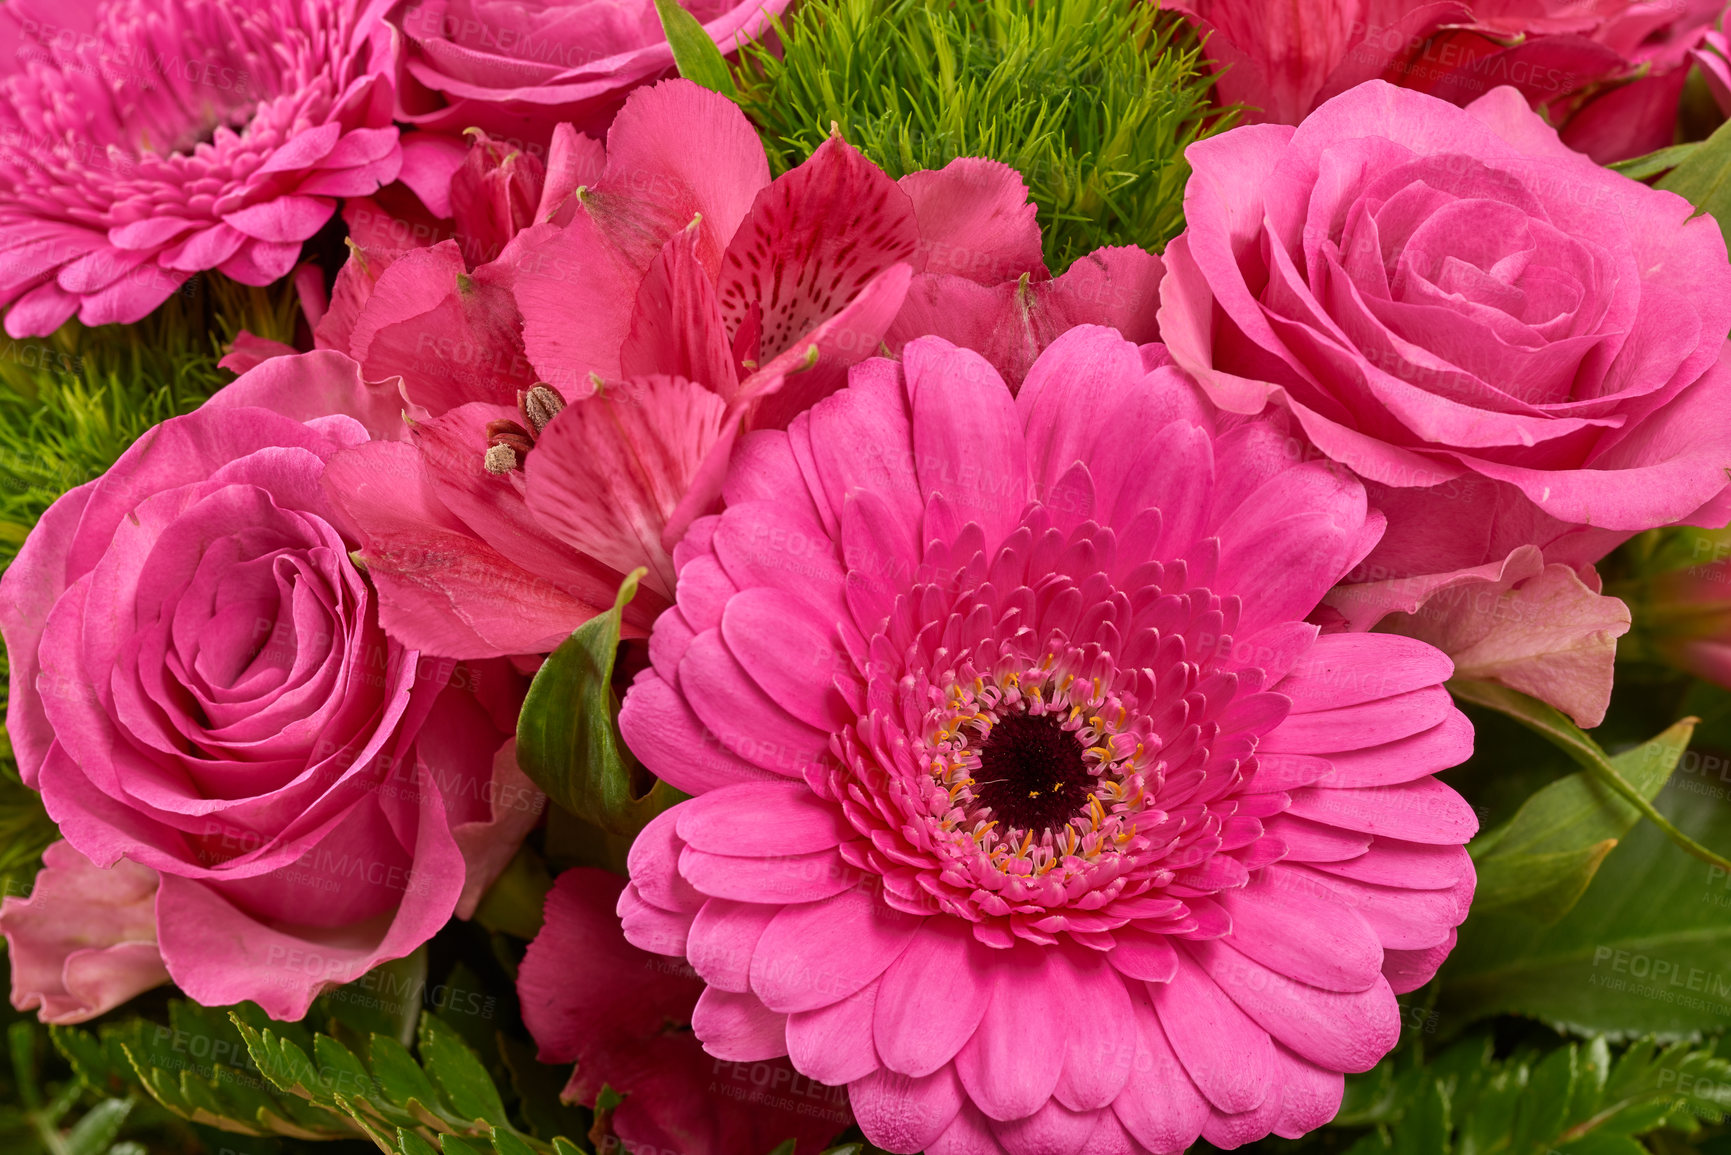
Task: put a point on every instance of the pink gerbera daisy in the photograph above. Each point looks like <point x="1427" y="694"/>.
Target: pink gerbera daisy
<point x="142" y="141"/>
<point x="1027" y="803"/>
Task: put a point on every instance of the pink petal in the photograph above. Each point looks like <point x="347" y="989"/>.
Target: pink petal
<point x="658" y="181"/>
<point x="1346" y="669"/>
<point x="792" y="878"/>
<point x="833" y="1044"/>
<point x="289" y="218"/>
<point x="904" y="1113"/>
<point x="1339" y="1031"/>
<point x="975" y="221"/>
<point x="1100" y="1042"/>
<point x="721" y="941"/>
<point x="1425" y="810"/>
<point x="762" y="819"/>
<point x="1011" y="1065"/>
<point x="84" y="941"/>
<point x="919" y="1025"/>
<point x="608" y="471"/>
<point x="967" y="435"/>
<point x="790" y="652"/>
<point x="738" y="1028"/>
<point x="1347" y="728"/>
<point x="667" y="737"/>
<point x="1229" y="1057"/>
<point x="1310" y="1097"/>
<point x="1304" y="933"/>
<point x="816" y="954"/>
<point x="1160" y="1105"/>
<point x="1408" y="970"/>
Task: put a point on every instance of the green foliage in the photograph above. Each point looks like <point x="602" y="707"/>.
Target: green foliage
<point x="387" y="1093"/>
<point x="72" y="402"/>
<point x="237" y="1071"/>
<point x="1093" y="101"/>
<point x="567" y="737"/>
<point x="1574" y="1099"/>
<point x="1647" y="949"/>
<point x="1702" y="176"/>
<point x="694" y="53"/>
<point x="34" y="1122"/>
<point x="1549" y="722"/>
<point x="1542" y="859"/>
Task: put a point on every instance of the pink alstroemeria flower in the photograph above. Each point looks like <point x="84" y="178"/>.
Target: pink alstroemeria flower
<point x="669" y="298"/>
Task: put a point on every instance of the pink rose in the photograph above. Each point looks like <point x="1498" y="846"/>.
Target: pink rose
<point x="85" y="940"/>
<point x="516" y="70"/>
<point x="1445" y="297"/>
<point x="201" y="686"/>
<point x="1512" y="346"/>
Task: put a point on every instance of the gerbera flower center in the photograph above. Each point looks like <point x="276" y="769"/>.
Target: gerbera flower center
<point x="1032" y="775"/>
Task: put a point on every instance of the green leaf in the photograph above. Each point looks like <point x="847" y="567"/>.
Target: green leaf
<point x="538" y="1086"/>
<point x="1550" y="723"/>
<point x="100" y="1127"/>
<point x="1466" y="1101"/>
<point x="514" y="902"/>
<point x="1604" y="1143"/>
<point x="694" y="53"/>
<point x="567" y="737"/>
<point x="409" y="1143"/>
<point x="459" y="1073"/>
<point x="1541" y="861"/>
<point x="452" y="1145"/>
<point x="1654" y="163"/>
<point x="1647" y="949"/>
<point x="1703" y="178"/>
<point x="1426" y="1129"/>
<point x="1545" y="1107"/>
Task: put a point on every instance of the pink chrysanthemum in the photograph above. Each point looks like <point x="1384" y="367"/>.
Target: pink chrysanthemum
<point x="1028" y="804"/>
<point x="142" y="141"/>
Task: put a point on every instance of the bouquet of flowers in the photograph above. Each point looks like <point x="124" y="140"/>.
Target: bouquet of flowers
<point x="981" y="577"/>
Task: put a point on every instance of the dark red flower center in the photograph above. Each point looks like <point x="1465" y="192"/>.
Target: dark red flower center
<point x="1031" y="774"/>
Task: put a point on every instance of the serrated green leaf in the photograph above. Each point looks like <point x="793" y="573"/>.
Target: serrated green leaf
<point x="1703" y="178"/>
<point x="507" y="1142"/>
<point x="563" y="1146"/>
<point x="1485" y="1126"/>
<point x="1592" y="1073"/>
<point x="567" y="737"/>
<point x="694" y="53"/>
<point x="468" y="1088"/>
<point x="399" y="1078"/>
<point x="409" y="1143"/>
<point x="455" y="1145"/>
<point x="1541" y="861"/>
